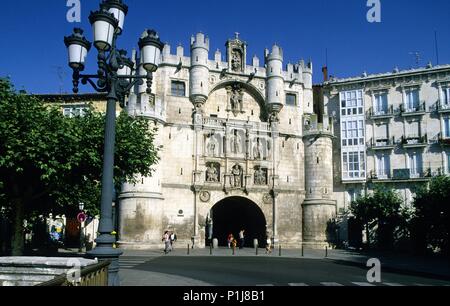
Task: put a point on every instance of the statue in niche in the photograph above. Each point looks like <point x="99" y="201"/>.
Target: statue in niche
<point x="212" y="146"/>
<point x="237" y="176"/>
<point x="212" y="174"/>
<point x="236" y="101"/>
<point x="258" y="150"/>
<point x="236" y="61"/>
<point x="260" y="177"/>
<point x="236" y="142"/>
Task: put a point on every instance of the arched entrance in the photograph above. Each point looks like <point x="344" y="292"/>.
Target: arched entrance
<point x="235" y="213"/>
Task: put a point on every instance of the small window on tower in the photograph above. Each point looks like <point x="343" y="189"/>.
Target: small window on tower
<point x="178" y="89"/>
<point x="291" y="99"/>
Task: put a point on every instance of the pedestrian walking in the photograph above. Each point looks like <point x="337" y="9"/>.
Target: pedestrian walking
<point x="242" y="239"/>
<point x="166" y="240"/>
<point x="173" y="239"/>
<point x="268" y="245"/>
<point x="230" y="239"/>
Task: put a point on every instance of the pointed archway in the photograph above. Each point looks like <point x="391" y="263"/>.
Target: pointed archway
<point x="234" y="214"/>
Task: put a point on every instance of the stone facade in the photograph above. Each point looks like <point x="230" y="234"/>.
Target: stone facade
<point x="403" y="139"/>
<point x="230" y="132"/>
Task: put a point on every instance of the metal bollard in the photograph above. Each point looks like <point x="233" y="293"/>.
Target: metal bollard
<point x="326" y="252"/>
<point x="210" y="249"/>
<point x="302" y="250"/>
<point x="234" y="251"/>
<point x="188" y="249"/>
<point x="256" y="250"/>
<point x="279" y="250"/>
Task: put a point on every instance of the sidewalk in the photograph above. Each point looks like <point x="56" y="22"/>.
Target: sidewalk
<point x="433" y="267"/>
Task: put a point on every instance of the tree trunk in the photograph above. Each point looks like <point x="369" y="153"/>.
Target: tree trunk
<point x="17" y="229"/>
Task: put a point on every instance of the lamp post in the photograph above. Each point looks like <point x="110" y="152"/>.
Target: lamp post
<point x="116" y="78"/>
<point x="81" y="208"/>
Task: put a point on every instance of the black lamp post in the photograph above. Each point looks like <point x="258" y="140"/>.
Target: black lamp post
<point x="81" y="208"/>
<point x="115" y="76"/>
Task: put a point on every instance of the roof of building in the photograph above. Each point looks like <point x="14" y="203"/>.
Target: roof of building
<point x="395" y="73"/>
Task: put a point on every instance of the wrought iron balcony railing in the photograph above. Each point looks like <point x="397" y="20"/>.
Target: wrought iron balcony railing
<point x="415" y="110"/>
<point x="382" y="113"/>
<point x="382" y="143"/>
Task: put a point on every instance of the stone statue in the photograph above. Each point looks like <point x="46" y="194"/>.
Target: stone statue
<point x="212" y="174"/>
<point x="260" y="177"/>
<point x="236" y="143"/>
<point x="236" y="63"/>
<point x="236" y="102"/>
<point x="212" y="146"/>
<point x="237" y="176"/>
<point x="258" y="150"/>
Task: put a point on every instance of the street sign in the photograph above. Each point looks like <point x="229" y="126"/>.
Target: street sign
<point x="81" y="217"/>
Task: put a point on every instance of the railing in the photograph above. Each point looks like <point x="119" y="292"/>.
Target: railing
<point x="441" y="107"/>
<point x="92" y="276"/>
<point x="389" y="112"/>
<point x="444" y="140"/>
<point x="381" y="142"/>
<point x="413" y="140"/>
<point x="405" y="174"/>
<point x="218" y="122"/>
<point x="421" y="108"/>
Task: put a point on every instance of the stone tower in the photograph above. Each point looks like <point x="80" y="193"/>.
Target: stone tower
<point x="142" y="203"/>
<point x="319" y="207"/>
<point x="199" y="71"/>
<point x="275" y="81"/>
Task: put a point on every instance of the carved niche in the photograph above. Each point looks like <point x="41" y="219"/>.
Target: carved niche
<point x="212" y="172"/>
<point x="212" y="144"/>
<point x="236" y="54"/>
<point x="237" y="142"/>
<point x="237" y="175"/>
<point x="260" y="176"/>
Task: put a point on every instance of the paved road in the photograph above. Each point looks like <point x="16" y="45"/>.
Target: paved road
<point x="156" y="270"/>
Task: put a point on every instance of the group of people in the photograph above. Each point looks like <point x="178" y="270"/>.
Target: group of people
<point x="169" y="239"/>
<point x="232" y="242"/>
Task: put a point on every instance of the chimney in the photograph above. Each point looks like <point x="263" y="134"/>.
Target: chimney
<point x="325" y="73"/>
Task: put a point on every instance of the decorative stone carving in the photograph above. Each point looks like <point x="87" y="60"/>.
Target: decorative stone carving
<point x="236" y="61"/>
<point x="267" y="198"/>
<point x="260" y="176"/>
<point x="212" y="146"/>
<point x="237" y="176"/>
<point x="205" y="196"/>
<point x="236" y="142"/>
<point x="213" y="173"/>
<point x="235" y="99"/>
<point x="258" y="150"/>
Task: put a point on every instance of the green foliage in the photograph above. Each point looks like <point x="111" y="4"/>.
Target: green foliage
<point x="380" y="212"/>
<point x="51" y="163"/>
<point x="431" y="222"/>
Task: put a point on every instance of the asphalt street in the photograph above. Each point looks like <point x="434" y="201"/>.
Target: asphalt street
<point x="254" y="271"/>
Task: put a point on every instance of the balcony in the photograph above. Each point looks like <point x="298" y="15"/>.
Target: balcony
<point x="382" y="143"/>
<point x="420" y="110"/>
<point x="413" y="141"/>
<point x="443" y="108"/>
<point x="444" y="140"/>
<point x="381" y="114"/>
<point x="404" y="175"/>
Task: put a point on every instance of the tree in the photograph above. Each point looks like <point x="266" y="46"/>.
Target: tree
<point x="50" y="163"/>
<point x="380" y="211"/>
<point x="431" y="222"/>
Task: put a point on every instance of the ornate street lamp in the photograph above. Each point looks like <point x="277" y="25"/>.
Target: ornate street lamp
<point x="115" y="77"/>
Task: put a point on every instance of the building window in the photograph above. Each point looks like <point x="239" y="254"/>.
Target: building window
<point x="415" y="165"/>
<point x="446" y="96"/>
<point x="352" y="133"/>
<point x="412" y="100"/>
<point x="354" y="166"/>
<point x="352" y="103"/>
<point x="291" y="99"/>
<point x="381" y="104"/>
<point x="352" y="195"/>
<point x="178" y="89"/>
<point x="74" y="111"/>
<point x="446" y="127"/>
<point x="383" y="166"/>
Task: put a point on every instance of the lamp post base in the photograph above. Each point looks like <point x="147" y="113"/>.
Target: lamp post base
<point x="106" y="252"/>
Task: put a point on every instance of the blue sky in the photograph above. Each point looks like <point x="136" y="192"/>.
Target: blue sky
<point x="32" y="49"/>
